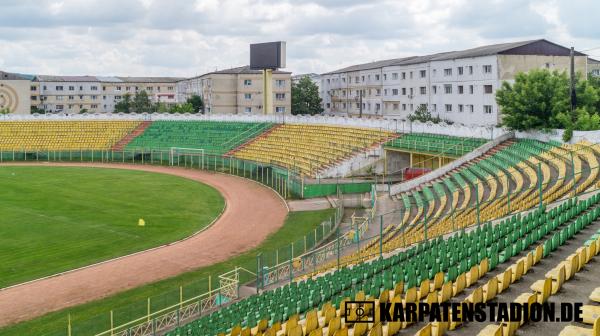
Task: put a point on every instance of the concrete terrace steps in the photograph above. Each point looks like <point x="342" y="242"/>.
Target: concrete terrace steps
<point x="121" y="144"/>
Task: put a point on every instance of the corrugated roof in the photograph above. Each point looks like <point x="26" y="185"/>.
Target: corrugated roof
<point x="242" y="70"/>
<point x="49" y="78"/>
<point x="487" y="50"/>
<point x="150" y="79"/>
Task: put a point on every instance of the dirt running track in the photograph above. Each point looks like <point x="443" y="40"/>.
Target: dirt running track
<point x="252" y="212"/>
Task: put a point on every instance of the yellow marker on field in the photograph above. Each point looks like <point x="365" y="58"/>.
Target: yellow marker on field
<point x="141" y="222"/>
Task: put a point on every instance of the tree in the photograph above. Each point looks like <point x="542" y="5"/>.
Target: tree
<point x="534" y="100"/>
<point x="5" y="110"/>
<point x="124" y="105"/>
<point x="83" y="111"/>
<point x="305" y="97"/>
<point x="162" y="108"/>
<point x="141" y="103"/>
<point x="540" y="99"/>
<point x="182" y="108"/>
<point x="197" y="103"/>
<point x="36" y="110"/>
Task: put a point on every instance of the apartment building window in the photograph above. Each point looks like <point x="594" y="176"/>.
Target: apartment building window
<point x="385" y="92"/>
<point x="33" y="88"/>
<point x="364" y="106"/>
<point x="104" y="88"/>
<point x="45" y="88"/>
<point x="104" y="97"/>
<point x="118" y="88"/>
<point x="404" y="91"/>
<point x="423" y="90"/>
<point x="471" y="89"/>
<point x="487" y="89"/>
<point x="363" y="78"/>
<point x="411" y="92"/>
<point x="127" y="88"/>
<point x="411" y="107"/>
<point x="411" y="75"/>
<point x="460" y="89"/>
<point x="470" y="67"/>
<point x="396" y="106"/>
<point x="71" y="88"/>
<point x="344" y="93"/>
<point x="71" y="97"/>
<point x="170" y="88"/>
<point x="158" y="88"/>
<point x="247" y="82"/>
<point x="59" y="88"/>
<point x="94" y="106"/>
<point x="434" y="89"/>
<point x="395" y="75"/>
<point x="117" y="97"/>
<point x="423" y="73"/>
<point x="403" y="107"/>
<point x="377" y="107"/>
<point x="487" y="69"/>
<point x="150" y="88"/>
<point x="448" y="72"/>
<point x="487" y="109"/>
<point x="94" y="88"/>
<point x="471" y="108"/>
<point x="369" y="92"/>
<point x="247" y="96"/>
<point x="357" y="105"/>
<point x="404" y="75"/>
<point x="448" y="88"/>
<point x="69" y="106"/>
<point x="434" y="107"/>
<point x="81" y="97"/>
<point x="356" y="79"/>
<point x="343" y="80"/>
<point x="280" y="109"/>
<point x="328" y="105"/>
<point x="344" y="105"/>
<point x="33" y="97"/>
<point x="81" y="88"/>
<point x="328" y="81"/>
<point x="60" y="107"/>
<point x="94" y="97"/>
<point x="423" y="106"/>
<point x="394" y="92"/>
<point x="59" y="97"/>
<point x="448" y="108"/>
<point x="460" y="70"/>
<point x="461" y="108"/>
<point x="378" y="92"/>
<point x="248" y="109"/>
<point x="377" y="77"/>
<point x="384" y="77"/>
<point x="280" y="96"/>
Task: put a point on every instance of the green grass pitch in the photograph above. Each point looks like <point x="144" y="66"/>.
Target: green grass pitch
<point x="54" y="219"/>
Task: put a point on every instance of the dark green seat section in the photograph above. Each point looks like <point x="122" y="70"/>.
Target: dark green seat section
<point x="436" y="144"/>
<point x="214" y="137"/>
<point x="453" y="256"/>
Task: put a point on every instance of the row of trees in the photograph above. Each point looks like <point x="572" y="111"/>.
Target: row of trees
<point x="541" y="100"/>
<point x="140" y="102"/>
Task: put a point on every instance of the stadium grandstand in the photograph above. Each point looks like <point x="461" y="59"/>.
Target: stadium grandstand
<point x="496" y="220"/>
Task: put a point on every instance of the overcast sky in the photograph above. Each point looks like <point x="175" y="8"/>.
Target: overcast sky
<point x="187" y="37"/>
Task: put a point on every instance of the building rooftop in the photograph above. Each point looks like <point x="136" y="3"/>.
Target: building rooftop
<point x="241" y="70"/>
<point x="107" y="79"/>
<point x="530" y="47"/>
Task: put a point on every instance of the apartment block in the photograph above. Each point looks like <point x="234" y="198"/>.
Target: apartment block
<point x="459" y="86"/>
<point x="237" y="91"/>
<point x="72" y="94"/>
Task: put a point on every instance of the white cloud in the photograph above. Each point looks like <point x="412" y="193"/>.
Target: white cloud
<point x="186" y="38"/>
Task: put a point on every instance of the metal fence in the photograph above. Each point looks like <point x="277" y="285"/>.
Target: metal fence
<point x="286" y="182"/>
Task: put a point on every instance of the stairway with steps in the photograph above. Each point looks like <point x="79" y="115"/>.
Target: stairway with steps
<point x="119" y="146"/>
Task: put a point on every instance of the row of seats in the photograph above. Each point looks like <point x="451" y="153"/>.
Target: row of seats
<point x="543" y="289"/>
<point x="435" y="144"/>
<point x="435" y="270"/>
<point x="214" y="137"/>
<point x="309" y="148"/>
<point x="62" y="135"/>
